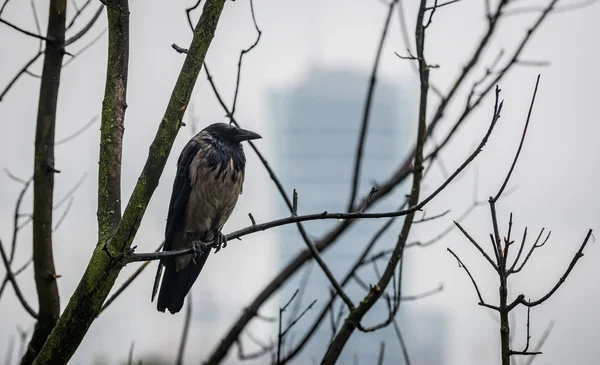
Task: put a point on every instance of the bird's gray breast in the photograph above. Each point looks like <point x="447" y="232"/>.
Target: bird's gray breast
<point x="215" y="189"/>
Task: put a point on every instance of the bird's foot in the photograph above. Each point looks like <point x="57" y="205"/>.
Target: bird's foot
<point x="220" y="241"/>
<point x="197" y="250"/>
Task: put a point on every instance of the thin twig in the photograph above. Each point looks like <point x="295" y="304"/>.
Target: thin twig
<point x="13" y="281"/>
<point x="350" y="274"/>
<point x="16" y="216"/>
<point x="479" y="248"/>
<point x="299" y="317"/>
<point x="301" y="290"/>
<point x="512" y="167"/>
<point x="367" y="111"/>
<point x="428" y="293"/>
<point x="85" y="48"/>
<point x="381" y="353"/>
<point x="78" y="11"/>
<point x="280" y="334"/>
<point x="295" y="203"/>
<point x="251" y="356"/>
<point x="242" y="53"/>
<point x="79" y="131"/>
<point x="26" y="32"/>
<point x="3" y="6"/>
<point x="72" y="191"/>
<point x="186" y="330"/>
<point x="63" y="216"/>
<point x="558" y="9"/>
<point x="433" y="217"/>
<point x="525" y="350"/>
<point x="294" y="219"/>
<point x="179" y="50"/>
<point x="37" y="23"/>
<point x="20" y="73"/>
<point x="481" y="301"/>
<point x="402" y="343"/>
<point x="436" y="6"/>
<point x="189" y="17"/>
<point x="130" y="357"/>
<point x="536" y="244"/>
<point x="521" y="298"/>
<point x="128" y="282"/>
<point x="540" y="344"/>
<point x="86" y="28"/>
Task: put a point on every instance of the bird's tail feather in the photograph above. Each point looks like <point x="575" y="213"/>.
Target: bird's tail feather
<point x="175" y="285"/>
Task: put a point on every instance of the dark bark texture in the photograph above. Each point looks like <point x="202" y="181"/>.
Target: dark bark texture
<point x="43" y="182"/>
<point x="113" y="120"/>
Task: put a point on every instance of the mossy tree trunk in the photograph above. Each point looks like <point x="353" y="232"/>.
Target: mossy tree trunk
<point x="116" y="235"/>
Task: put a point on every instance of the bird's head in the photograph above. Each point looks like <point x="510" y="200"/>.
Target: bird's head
<point x="230" y="133"/>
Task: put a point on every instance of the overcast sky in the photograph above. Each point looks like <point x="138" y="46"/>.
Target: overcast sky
<point x="557" y="177"/>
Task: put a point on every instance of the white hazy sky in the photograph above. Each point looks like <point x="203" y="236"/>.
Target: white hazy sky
<point x="557" y="177"/>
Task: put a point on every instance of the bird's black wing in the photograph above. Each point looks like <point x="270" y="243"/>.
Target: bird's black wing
<point x="179" y="200"/>
<point x="181" y="192"/>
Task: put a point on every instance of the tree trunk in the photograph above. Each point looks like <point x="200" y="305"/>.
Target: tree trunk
<point x="43" y="182"/>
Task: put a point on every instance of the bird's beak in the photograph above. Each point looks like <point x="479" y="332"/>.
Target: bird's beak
<point x="245" y="135"/>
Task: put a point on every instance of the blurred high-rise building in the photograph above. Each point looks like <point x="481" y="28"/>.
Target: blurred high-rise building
<point x="316" y="124"/>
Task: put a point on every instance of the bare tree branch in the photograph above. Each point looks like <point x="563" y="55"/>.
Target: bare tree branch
<point x="242" y="53"/>
<point x="133" y="257"/>
<point x="78" y="11"/>
<point x="311" y="246"/>
<point x="381" y="353"/>
<point x="77" y="132"/>
<point x="85" y="48"/>
<point x="188" y="11"/>
<point x="402" y="343"/>
<point x="386" y="187"/>
<point x="102" y="271"/>
<point x="436" y="6"/>
<point x="37" y="23"/>
<point x="282" y="331"/>
<point x="130" y="357"/>
<point x="16" y="226"/>
<point x="367" y="111"/>
<point x="353" y="320"/>
<point x="481" y="301"/>
<point x="16" y="217"/>
<point x="86" y="28"/>
<point x="559" y="9"/>
<point x="512" y="167"/>
<point x="43" y="182"/>
<point x="479" y="248"/>
<point x="63" y="216"/>
<point x="525" y="350"/>
<point x="536" y="244"/>
<point x="20" y="73"/>
<point x="26" y="32"/>
<point x="355" y="316"/>
<point x="113" y="120"/>
<point x="540" y="344"/>
<point x="13" y="281"/>
<point x="521" y="298"/>
<point x="186" y="330"/>
<point x="501" y="250"/>
<point x="329" y="307"/>
<point x="25" y="68"/>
